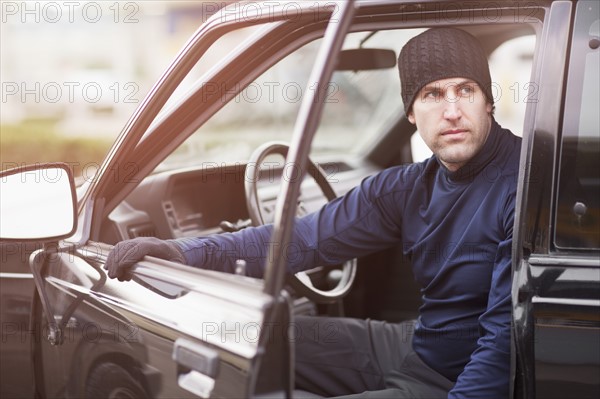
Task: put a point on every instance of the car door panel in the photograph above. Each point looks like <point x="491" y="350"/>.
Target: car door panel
<point x="137" y="328"/>
<point x="556" y="286"/>
<point x="567" y="326"/>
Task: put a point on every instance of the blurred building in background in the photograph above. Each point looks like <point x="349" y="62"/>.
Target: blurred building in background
<point x="87" y="65"/>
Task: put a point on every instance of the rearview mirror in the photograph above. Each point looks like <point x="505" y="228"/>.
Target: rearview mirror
<point x="365" y="59"/>
<point x="37" y="203"/>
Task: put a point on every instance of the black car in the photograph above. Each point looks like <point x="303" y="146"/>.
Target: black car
<point x="269" y="76"/>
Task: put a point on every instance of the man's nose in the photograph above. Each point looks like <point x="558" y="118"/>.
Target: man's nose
<point x="452" y="109"/>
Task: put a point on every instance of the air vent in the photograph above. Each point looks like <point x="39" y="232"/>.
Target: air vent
<point x="142" y="230"/>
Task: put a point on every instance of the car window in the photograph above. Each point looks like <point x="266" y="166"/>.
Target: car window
<point x="578" y="209"/>
<point x="358" y="107"/>
<point x="212" y="58"/>
<point x="510" y="68"/>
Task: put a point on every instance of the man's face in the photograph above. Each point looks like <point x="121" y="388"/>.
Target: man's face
<point x="454" y="119"/>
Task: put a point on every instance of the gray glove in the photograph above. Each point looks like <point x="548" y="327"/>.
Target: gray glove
<point x="129" y="252"/>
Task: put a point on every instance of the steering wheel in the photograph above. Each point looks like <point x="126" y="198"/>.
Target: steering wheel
<point x="301" y="281"/>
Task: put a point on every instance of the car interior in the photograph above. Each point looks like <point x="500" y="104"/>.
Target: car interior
<point x="199" y="188"/>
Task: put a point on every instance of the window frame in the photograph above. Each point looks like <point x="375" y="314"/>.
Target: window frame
<point x="564" y="240"/>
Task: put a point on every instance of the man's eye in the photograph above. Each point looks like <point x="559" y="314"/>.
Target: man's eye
<point x="467" y="90"/>
<point x="431" y="94"/>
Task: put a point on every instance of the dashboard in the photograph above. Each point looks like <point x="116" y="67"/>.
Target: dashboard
<point x="196" y="204"/>
<point x="206" y="200"/>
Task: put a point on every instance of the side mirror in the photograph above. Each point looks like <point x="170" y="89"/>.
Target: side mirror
<point x="37" y="203"/>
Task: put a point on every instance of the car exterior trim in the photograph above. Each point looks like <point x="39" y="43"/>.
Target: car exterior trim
<point x="563" y="261"/>
<point x="562" y="301"/>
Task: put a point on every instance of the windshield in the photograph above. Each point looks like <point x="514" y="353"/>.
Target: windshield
<point x="359" y="106"/>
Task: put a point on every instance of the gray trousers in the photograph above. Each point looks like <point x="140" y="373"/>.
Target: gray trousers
<point x="357" y="358"/>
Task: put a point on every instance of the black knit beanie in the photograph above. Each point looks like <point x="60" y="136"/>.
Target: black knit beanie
<point x="442" y="53"/>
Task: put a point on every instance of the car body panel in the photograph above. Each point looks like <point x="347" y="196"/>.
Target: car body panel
<point x="555" y="291"/>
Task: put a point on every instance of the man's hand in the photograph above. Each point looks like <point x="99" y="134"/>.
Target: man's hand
<point x="127" y="253"/>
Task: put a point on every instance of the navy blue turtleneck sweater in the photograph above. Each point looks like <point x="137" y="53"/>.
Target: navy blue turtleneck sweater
<point x="456" y="227"/>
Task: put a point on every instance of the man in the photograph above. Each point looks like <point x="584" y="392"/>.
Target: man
<point x="453" y="215"/>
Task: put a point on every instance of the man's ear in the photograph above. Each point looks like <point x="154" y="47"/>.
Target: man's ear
<point x="411" y="117"/>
